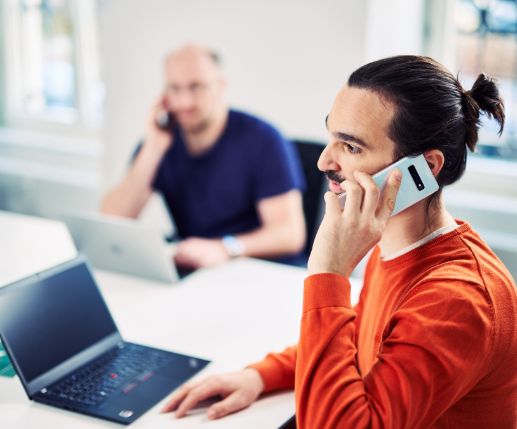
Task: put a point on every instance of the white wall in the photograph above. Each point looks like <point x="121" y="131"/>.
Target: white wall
<point x="284" y="60"/>
<point x="394" y="28"/>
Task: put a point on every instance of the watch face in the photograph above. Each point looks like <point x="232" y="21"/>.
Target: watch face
<point x="233" y="246"/>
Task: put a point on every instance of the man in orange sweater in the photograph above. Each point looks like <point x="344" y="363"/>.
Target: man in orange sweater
<point x="432" y="342"/>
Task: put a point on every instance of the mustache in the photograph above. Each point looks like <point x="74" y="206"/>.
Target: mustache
<point x="332" y="175"/>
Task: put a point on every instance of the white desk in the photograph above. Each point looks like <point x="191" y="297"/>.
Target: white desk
<point x="29" y="244"/>
<point x="232" y="315"/>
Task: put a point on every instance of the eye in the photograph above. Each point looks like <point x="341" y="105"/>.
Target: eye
<point x="174" y="89"/>
<point x="352" y="149"/>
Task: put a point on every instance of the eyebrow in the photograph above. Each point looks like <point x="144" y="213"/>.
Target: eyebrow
<point x="346" y="137"/>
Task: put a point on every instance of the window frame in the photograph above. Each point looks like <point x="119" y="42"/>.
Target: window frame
<point x="86" y="62"/>
<point x="439" y="41"/>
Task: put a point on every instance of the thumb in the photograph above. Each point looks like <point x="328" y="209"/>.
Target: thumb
<point x="332" y="204"/>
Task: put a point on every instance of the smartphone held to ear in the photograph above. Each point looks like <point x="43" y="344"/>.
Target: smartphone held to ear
<point x="417" y="182"/>
<point x="165" y="120"/>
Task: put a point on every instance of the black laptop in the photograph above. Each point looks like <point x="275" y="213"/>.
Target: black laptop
<point x="68" y="353"/>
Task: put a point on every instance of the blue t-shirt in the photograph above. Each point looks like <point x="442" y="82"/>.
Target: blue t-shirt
<point x="215" y="194"/>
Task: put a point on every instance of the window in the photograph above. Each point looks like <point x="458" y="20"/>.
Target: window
<point x="486" y="40"/>
<point x="51" y="65"/>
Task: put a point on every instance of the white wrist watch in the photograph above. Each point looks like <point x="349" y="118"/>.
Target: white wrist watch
<point x="233" y="246"/>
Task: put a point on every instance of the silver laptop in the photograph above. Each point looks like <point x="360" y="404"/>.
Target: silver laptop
<point x="125" y="245"/>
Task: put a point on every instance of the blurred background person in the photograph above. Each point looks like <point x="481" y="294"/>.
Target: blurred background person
<point x="230" y="181"/>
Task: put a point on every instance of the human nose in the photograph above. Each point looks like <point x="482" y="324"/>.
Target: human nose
<point x="184" y="99"/>
<point x="327" y="161"/>
<point x="180" y="97"/>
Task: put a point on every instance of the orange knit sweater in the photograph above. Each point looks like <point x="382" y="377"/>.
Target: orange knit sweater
<point x="432" y="343"/>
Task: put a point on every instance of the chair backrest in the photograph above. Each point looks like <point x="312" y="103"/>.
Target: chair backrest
<point x="309" y="153"/>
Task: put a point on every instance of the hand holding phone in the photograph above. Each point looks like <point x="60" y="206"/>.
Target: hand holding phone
<point x="160" y="126"/>
<point x="417" y="183"/>
<point x="346" y="236"/>
<point x="165" y="120"/>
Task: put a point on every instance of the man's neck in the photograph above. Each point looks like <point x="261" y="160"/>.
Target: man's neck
<point x="414" y="224"/>
<point x="200" y="142"/>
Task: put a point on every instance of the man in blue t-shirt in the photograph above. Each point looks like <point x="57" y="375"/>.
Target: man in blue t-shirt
<point x="231" y="182"/>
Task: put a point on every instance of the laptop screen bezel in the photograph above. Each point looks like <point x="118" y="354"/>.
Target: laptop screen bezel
<point x="73" y="363"/>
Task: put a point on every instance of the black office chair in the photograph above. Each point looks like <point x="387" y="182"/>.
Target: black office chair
<point x="309" y="152"/>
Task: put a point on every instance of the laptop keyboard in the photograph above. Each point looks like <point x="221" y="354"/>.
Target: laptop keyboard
<point x="121" y="369"/>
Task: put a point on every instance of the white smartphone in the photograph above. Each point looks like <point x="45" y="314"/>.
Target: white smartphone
<point x="417" y="182"/>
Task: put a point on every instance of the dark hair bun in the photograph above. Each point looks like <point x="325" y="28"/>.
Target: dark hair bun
<point x="484" y="96"/>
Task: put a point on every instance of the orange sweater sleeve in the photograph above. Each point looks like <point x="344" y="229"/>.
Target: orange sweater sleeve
<point x="277" y="369"/>
<point x="431" y="352"/>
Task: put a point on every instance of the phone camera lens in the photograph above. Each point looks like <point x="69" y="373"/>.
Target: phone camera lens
<point x="416" y="177"/>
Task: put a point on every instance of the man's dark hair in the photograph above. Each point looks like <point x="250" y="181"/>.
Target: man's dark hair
<point x="432" y="110"/>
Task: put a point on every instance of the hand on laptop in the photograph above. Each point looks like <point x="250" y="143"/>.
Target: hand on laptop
<point x="239" y="390"/>
<point x="200" y="252"/>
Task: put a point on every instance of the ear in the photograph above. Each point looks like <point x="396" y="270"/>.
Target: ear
<point x="435" y="159"/>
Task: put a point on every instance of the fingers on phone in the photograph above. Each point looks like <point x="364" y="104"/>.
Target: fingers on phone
<point x="371" y="191"/>
<point x="389" y="194"/>
<point x="354" y="197"/>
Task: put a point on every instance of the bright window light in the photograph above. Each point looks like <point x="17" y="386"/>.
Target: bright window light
<point x="52" y="65"/>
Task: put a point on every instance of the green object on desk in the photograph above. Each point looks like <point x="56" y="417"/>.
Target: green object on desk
<point x="6" y="369"/>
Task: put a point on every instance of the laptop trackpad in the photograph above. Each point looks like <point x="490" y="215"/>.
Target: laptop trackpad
<point x="138" y="396"/>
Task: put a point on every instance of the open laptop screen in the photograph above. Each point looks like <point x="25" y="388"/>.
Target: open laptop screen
<point x="49" y="318"/>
